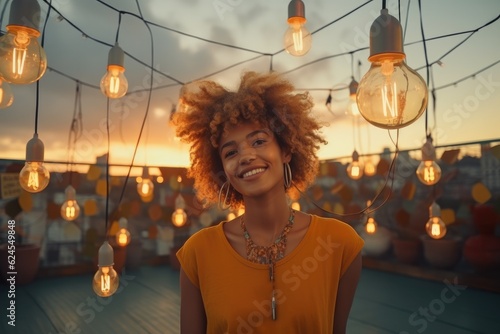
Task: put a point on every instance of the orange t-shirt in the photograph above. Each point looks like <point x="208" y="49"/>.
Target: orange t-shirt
<point x="237" y="293"/>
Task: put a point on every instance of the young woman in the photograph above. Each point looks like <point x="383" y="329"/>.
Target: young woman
<point x="273" y="269"/>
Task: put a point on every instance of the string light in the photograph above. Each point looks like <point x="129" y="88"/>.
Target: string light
<point x="123" y="235"/>
<point x="23" y="59"/>
<point x="435" y="227"/>
<point x="106" y="280"/>
<point x="390" y="95"/>
<point x="428" y="171"/>
<point x="70" y="210"/>
<point x="34" y="177"/>
<point x="297" y="38"/>
<point x="114" y="84"/>
<point x="354" y="170"/>
<point x="146" y="187"/>
<point x="179" y="217"/>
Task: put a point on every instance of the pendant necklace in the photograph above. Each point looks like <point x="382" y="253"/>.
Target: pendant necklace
<point x="268" y="254"/>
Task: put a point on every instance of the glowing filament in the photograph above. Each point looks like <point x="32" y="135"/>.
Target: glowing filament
<point x="297" y="38"/>
<point x="371" y="226"/>
<point x="33" y="181"/>
<point x="105" y="280"/>
<point x="70" y="210"/>
<point x="436" y="228"/>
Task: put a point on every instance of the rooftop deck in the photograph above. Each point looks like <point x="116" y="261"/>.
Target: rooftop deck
<point x="148" y="302"/>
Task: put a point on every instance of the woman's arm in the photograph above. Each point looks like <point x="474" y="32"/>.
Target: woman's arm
<point x="193" y="317"/>
<point x="345" y="295"/>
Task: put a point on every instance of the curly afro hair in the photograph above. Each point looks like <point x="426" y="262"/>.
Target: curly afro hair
<point x="265" y="99"/>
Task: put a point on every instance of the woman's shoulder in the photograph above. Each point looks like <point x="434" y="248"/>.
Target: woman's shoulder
<point x="327" y="225"/>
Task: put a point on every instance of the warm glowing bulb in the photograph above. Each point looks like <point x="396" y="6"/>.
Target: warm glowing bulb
<point x="298" y="39"/>
<point x="6" y="96"/>
<point x="371" y="226"/>
<point x="354" y="169"/>
<point x="429" y="172"/>
<point x="435" y="227"/>
<point x="352" y="105"/>
<point x="370" y="168"/>
<point x="179" y="217"/>
<point x="34" y="177"/>
<point x="390" y="95"/>
<point x="70" y="210"/>
<point x="22" y="60"/>
<point x="114" y="84"/>
<point x="106" y="280"/>
<point x="145" y="188"/>
<point x="123" y="237"/>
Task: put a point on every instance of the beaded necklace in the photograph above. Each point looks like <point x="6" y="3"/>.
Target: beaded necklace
<point x="268" y="254"/>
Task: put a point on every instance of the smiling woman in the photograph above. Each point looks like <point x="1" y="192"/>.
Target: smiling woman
<point x="273" y="269"/>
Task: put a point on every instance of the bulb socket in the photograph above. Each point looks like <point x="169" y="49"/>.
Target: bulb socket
<point x="180" y="203"/>
<point x="25" y="13"/>
<point x="428" y="151"/>
<point x="296" y="11"/>
<point x="355" y="156"/>
<point x="116" y="56"/>
<point x="434" y="210"/>
<point x="386" y="38"/>
<point x="34" y="149"/>
<point x="70" y="193"/>
<point x="105" y="255"/>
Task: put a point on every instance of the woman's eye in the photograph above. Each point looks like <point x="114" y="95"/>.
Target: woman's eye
<point x="259" y="142"/>
<point x="229" y="153"/>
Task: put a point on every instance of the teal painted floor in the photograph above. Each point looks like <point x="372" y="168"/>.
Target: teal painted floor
<point x="148" y="302"/>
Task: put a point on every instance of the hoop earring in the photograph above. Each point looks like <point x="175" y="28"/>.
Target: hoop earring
<point x="224" y="205"/>
<point x="287" y="174"/>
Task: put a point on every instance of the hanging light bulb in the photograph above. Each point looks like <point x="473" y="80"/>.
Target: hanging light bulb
<point x="114" y="84"/>
<point x="352" y="106"/>
<point x="390" y="95"/>
<point x="34" y="177"/>
<point x="179" y="217"/>
<point x="146" y="187"/>
<point x="428" y="172"/>
<point x="370" y="168"/>
<point x="106" y="280"/>
<point x="354" y="169"/>
<point x="435" y="227"/>
<point x="371" y="224"/>
<point x="22" y="59"/>
<point x="123" y="235"/>
<point x="297" y="39"/>
<point x="6" y="96"/>
<point x="70" y="210"/>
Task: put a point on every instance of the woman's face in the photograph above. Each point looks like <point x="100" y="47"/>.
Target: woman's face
<point x="252" y="159"/>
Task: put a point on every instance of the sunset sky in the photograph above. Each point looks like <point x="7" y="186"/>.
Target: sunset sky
<point x="467" y="111"/>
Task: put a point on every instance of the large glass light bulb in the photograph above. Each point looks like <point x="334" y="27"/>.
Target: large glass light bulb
<point x="435" y="227"/>
<point x="6" y="96"/>
<point x="145" y="188"/>
<point x="390" y="95"/>
<point x="123" y="235"/>
<point x="298" y="39"/>
<point x="354" y="169"/>
<point x="428" y="171"/>
<point x="114" y="84"/>
<point x="22" y="59"/>
<point x="106" y="280"/>
<point x="34" y="177"/>
<point x="70" y="210"/>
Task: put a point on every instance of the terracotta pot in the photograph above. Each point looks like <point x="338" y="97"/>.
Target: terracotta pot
<point x="407" y="250"/>
<point x="27" y="262"/>
<point x="485" y="218"/>
<point x="482" y="252"/>
<point x="442" y="253"/>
